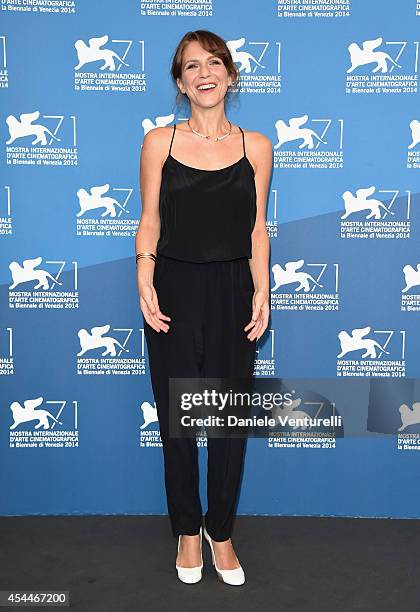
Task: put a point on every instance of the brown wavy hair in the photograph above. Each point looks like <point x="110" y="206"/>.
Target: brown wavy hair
<point x="212" y="43"/>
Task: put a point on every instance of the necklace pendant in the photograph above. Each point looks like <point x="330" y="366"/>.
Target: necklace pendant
<point x="207" y="136"/>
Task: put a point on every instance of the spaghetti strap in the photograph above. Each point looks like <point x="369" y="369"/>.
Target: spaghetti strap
<point x="243" y="139"/>
<point x="173" y="134"/>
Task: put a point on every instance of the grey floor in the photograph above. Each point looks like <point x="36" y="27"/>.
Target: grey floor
<point x="127" y="563"/>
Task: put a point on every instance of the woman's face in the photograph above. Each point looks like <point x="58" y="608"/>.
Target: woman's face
<point x="199" y="67"/>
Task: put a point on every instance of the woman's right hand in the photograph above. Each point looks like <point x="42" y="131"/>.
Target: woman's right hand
<point x="149" y="305"/>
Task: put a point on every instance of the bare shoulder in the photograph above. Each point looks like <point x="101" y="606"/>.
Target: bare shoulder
<point x="259" y="143"/>
<point x="156" y="143"/>
<point x="259" y="149"/>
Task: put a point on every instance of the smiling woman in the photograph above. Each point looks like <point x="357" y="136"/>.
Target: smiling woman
<point x="203" y="250"/>
<point x="218" y="57"/>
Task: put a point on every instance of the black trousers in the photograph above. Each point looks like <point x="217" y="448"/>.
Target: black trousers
<point x="209" y="305"/>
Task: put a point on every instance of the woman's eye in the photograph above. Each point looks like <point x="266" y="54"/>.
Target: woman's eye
<point x="195" y="65"/>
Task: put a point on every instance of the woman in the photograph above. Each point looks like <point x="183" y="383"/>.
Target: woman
<point x="202" y="260"/>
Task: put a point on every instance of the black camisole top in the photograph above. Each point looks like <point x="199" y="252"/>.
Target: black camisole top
<point x="206" y="215"/>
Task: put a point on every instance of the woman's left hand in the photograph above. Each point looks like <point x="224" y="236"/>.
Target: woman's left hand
<point x="260" y="315"/>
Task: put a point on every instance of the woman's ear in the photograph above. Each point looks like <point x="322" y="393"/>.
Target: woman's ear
<point x="179" y="83"/>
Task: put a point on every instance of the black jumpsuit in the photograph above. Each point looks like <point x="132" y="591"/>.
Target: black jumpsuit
<point x="204" y="283"/>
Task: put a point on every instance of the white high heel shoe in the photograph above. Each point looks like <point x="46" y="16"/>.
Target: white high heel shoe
<point x="234" y="576"/>
<point x="191" y="575"/>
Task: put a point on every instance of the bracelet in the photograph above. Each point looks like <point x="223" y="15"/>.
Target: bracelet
<point x="145" y="254"/>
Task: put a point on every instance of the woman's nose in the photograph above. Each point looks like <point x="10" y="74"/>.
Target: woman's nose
<point x="204" y="72"/>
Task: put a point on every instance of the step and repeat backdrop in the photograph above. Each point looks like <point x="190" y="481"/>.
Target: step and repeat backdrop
<point x="334" y="85"/>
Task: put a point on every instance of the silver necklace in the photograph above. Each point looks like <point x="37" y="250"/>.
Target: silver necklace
<point x="207" y="136"/>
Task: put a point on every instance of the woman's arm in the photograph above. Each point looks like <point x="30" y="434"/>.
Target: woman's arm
<point x="262" y="160"/>
<point x="148" y="231"/>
